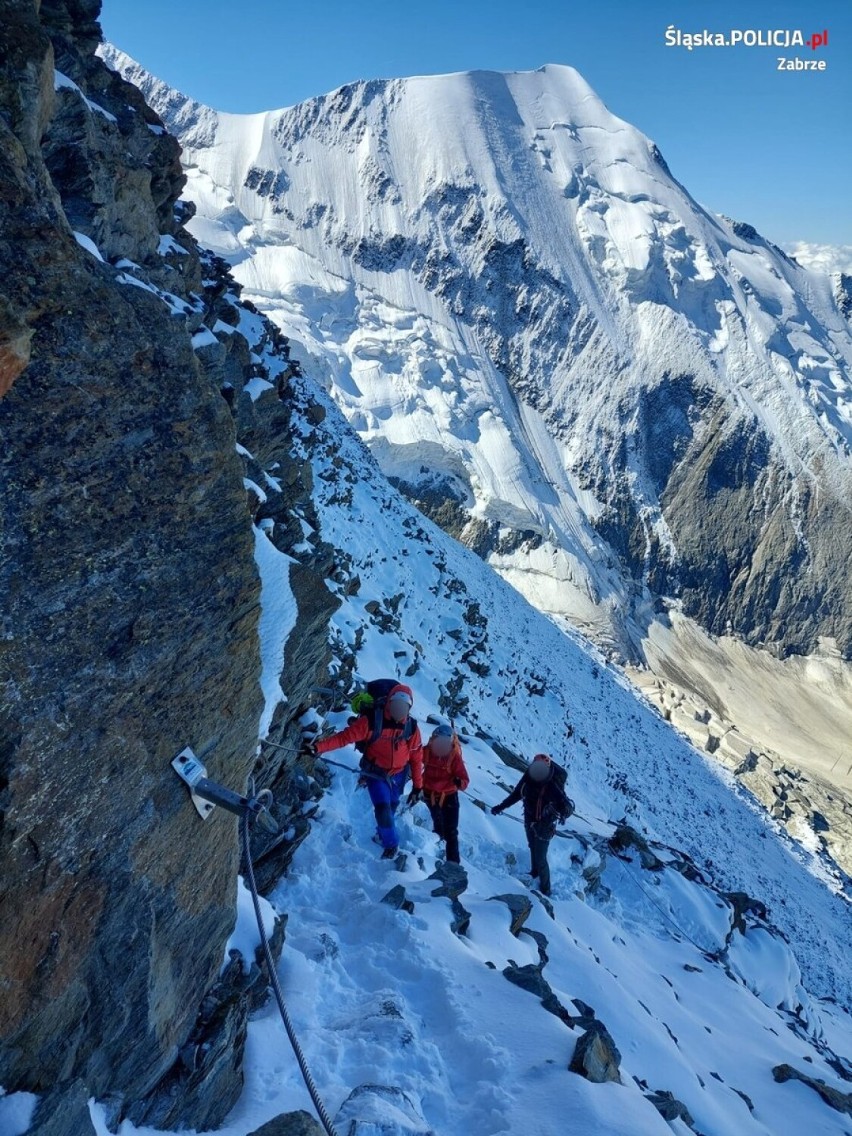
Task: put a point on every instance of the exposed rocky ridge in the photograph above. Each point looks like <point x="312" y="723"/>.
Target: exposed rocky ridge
<point x="130" y="588"/>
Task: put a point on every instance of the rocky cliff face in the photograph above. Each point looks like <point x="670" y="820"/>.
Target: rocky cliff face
<point x="130" y="590"/>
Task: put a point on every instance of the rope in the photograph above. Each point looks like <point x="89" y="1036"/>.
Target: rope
<point x="350" y="769"/>
<point x="665" y="914"/>
<point x="329" y="761"/>
<point x="273" y="978"/>
<point x="567" y="834"/>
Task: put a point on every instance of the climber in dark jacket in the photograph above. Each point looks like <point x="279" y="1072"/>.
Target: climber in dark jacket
<point x="545" y="803"/>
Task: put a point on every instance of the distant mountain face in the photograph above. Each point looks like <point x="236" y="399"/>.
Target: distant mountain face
<point x="621" y="401"/>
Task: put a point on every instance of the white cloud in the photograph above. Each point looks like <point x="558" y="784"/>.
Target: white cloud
<point x="822" y="258"/>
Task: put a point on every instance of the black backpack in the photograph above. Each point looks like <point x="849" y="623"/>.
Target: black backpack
<point x="560" y="776"/>
<point x="560" y="779"/>
<point x="370" y="702"/>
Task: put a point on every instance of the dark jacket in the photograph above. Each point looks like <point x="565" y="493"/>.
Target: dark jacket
<point x="544" y="801"/>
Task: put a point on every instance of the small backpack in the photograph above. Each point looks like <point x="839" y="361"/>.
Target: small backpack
<point x="370" y="702"/>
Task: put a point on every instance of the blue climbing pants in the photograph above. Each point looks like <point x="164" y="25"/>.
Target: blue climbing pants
<point x="385" y="796"/>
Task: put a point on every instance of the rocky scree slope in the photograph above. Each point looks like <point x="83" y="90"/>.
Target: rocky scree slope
<point x="618" y="398"/>
<point x="129" y="595"/>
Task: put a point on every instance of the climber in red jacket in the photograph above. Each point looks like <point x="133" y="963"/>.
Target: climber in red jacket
<point x="390" y="744"/>
<point x="444" y="776"/>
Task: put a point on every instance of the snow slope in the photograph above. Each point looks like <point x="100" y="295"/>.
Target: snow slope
<point x="410" y="1026"/>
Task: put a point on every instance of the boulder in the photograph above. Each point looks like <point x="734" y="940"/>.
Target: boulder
<point x="397" y="899"/>
<point x="452" y="879"/>
<point x="669" y="1107"/>
<point x="520" y="907"/>
<point x="290" y="1124"/>
<point x="596" y="1056"/>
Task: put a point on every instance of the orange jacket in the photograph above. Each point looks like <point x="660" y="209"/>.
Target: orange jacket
<point x="440" y="773"/>
<point x="389" y="752"/>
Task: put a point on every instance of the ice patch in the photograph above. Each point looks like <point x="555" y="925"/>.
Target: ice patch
<point x="16" y="1112"/>
<point x="245" y="936"/>
<point x="278" y="613"/>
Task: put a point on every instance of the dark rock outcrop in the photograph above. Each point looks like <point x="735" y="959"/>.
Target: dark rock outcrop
<point x="596" y="1056"/>
<point x="397" y="899"/>
<point x="129" y="630"/>
<point x="520" y="907"/>
<point x="130" y="592"/>
<point x="205" y="1082"/>
<point x="452" y="879"/>
<point x="290" y="1124"/>
<point x="669" y="1107"/>
<point x="61" y="1112"/>
<point x="841" y="1102"/>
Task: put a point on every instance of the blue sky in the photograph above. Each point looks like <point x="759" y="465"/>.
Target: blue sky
<point x="770" y="148"/>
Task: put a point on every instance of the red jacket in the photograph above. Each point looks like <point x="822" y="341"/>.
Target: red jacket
<point x="389" y="752"/>
<point x="440" y="773"/>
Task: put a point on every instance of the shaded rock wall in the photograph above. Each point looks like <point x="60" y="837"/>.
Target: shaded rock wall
<point x="752" y="550"/>
<point x="129" y="594"/>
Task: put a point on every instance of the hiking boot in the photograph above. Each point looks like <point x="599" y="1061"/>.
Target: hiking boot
<point x="389" y="853"/>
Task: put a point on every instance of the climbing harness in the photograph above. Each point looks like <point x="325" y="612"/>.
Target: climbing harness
<point x="206" y="794"/>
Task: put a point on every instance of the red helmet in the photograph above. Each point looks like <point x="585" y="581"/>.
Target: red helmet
<point x="539" y="767"/>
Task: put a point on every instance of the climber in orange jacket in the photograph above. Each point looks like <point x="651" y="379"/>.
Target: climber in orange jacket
<point x="444" y="776"/>
<point x="390" y="744"/>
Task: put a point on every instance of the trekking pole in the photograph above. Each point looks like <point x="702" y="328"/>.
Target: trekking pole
<point x="567" y="834"/>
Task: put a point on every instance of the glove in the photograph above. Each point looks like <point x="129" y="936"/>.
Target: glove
<point x="414" y="796"/>
<point x="457" y="782"/>
<point x="496" y="810"/>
